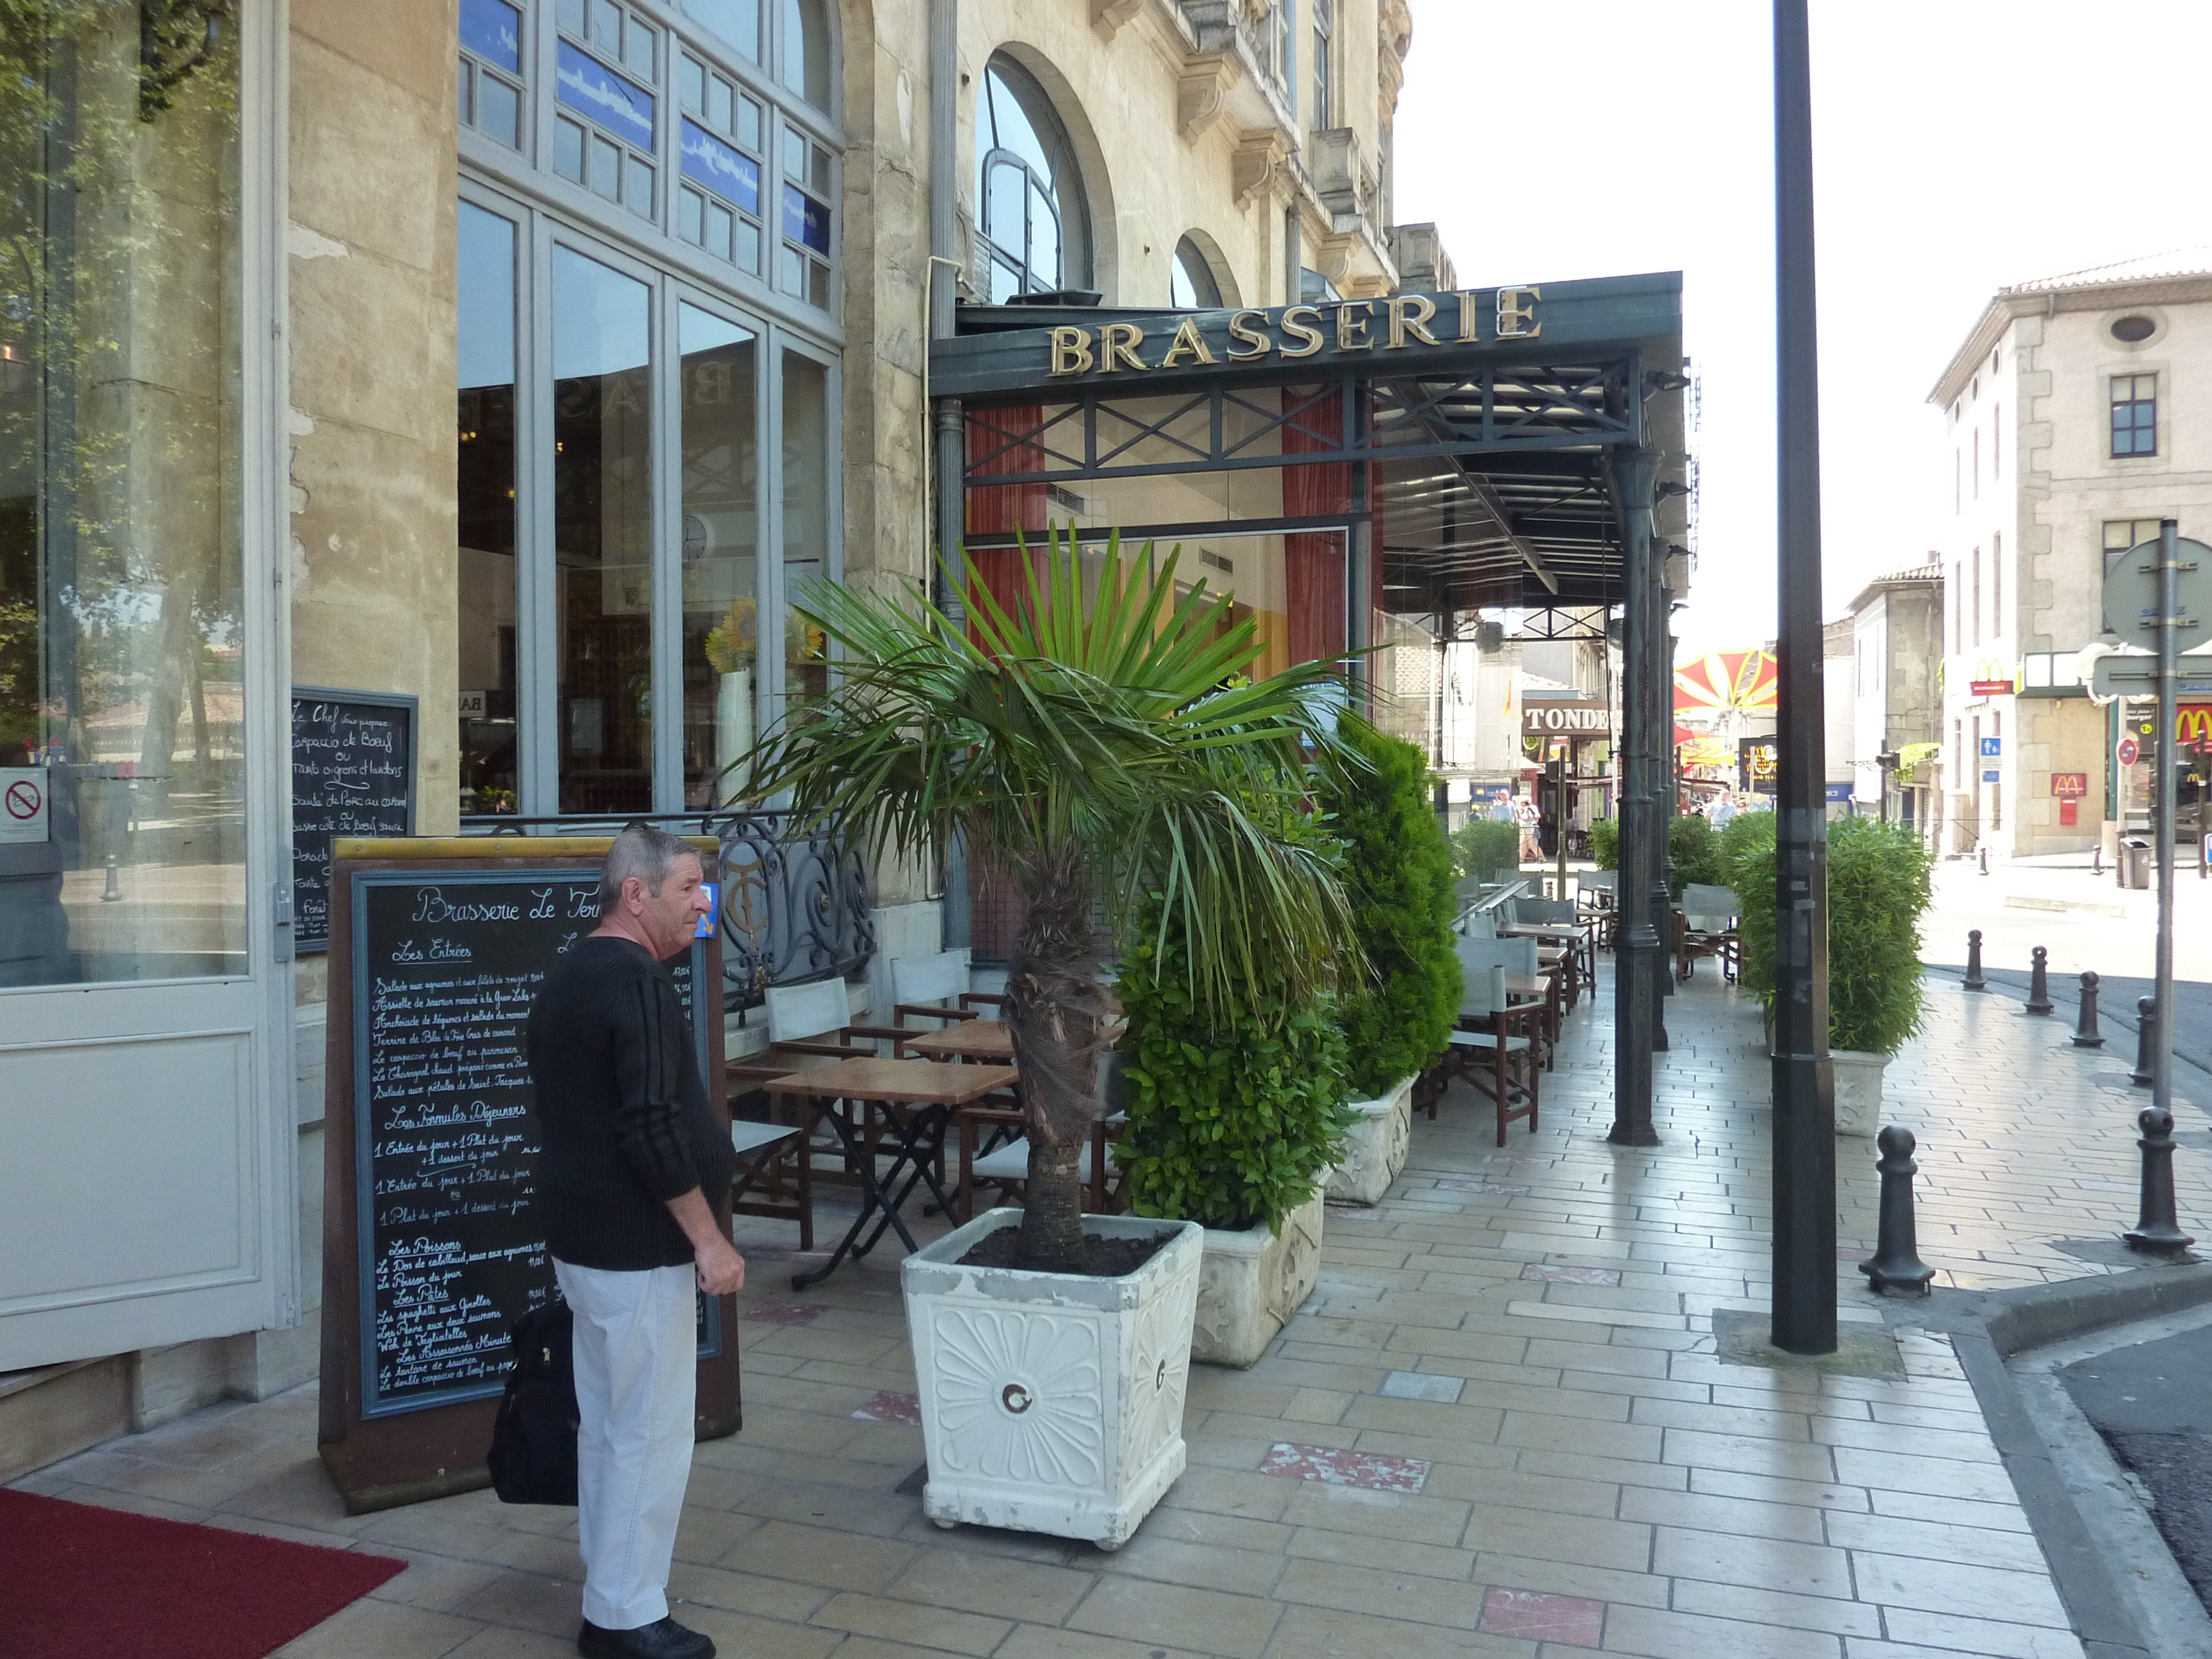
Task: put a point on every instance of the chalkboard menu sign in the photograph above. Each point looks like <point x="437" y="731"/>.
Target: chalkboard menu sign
<point x="434" y="1244"/>
<point x="353" y="774"/>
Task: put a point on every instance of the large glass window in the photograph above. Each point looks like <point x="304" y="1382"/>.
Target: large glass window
<point x="491" y="69"/>
<point x="721" y="548"/>
<point x="1324" y="89"/>
<point x="606" y="141"/>
<point x="1191" y="283"/>
<point x="719" y="205"/>
<point x="806" y="476"/>
<point x="805" y="66"/>
<point x="486" y="571"/>
<point x="122" y="648"/>
<point x="1036" y="225"/>
<point x="603" y="533"/>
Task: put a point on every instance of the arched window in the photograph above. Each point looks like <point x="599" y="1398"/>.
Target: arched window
<point x="805" y="67"/>
<point x="1192" y="285"/>
<point x="1036" y="225"/>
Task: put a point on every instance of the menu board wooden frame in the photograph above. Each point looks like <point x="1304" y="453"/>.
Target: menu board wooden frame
<point x="303" y="942"/>
<point x="404" y="1455"/>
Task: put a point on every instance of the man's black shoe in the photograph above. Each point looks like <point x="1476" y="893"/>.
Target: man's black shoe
<point x="665" y="1639"/>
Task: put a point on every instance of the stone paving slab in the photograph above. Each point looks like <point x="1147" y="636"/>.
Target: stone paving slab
<point x="1501" y="1426"/>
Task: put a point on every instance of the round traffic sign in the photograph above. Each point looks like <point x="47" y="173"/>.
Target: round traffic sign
<point x="2127" y="752"/>
<point x="2131" y="590"/>
<point x="23" y="801"/>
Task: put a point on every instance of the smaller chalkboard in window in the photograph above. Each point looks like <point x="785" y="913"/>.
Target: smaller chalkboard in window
<point x="353" y="774"/>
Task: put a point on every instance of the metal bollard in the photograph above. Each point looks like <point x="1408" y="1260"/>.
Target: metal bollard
<point x="2086" y="1034"/>
<point x="2146" y="1039"/>
<point x="1985" y="860"/>
<point x="2038" y="981"/>
<point x="112" y="893"/>
<point x="1974" y="980"/>
<point x="2097" y="860"/>
<point x="2157" y="1229"/>
<point x="1896" y="1266"/>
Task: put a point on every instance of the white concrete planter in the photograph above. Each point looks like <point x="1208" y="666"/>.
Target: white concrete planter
<point x="1052" y="1402"/>
<point x="1858" y="1090"/>
<point x="1375" y="1146"/>
<point x="1252" y="1282"/>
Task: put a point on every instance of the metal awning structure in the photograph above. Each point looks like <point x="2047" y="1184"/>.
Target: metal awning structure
<point x="1491" y="485"/>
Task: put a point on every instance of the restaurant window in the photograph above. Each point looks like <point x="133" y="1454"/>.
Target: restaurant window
<point x="806" y="508"/>
<point x="1192" y="285"/>
<point x="720" y="155"/>
<point x="486" y="613"/>
<point x="721" y="548"/>
<point x="122" y="643"/>
<point x="737" y="22"/>
<point x="805" y="56"/>
<point x="491" y="69"/>
<point x="607" y="61"/>
<point x="1030" y="208"/>
<point x="2135" y="415"/>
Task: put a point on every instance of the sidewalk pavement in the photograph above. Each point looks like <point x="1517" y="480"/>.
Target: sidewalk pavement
<point x="1500" y="1428"/>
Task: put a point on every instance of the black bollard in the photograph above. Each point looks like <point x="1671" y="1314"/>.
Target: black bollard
<point x="2097" y="860"/>
<point x="2146" y="1039"/>
<point x="2038" y="981"/>
<point x="1897" y="1266"/>
<point x="2156" y="1229"/>
<point x="2086" y="1034"/>
<point x="1985" y="860"/>
<point x="1974" y="979"/>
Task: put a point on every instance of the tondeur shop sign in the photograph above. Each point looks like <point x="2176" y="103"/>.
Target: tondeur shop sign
<point x="1565" y="719"/>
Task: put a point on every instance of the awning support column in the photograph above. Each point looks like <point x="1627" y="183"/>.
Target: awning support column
<point x="1636" y="950"/>
<point x="1659" y="713"/>
<point x="1804" y="1078"/>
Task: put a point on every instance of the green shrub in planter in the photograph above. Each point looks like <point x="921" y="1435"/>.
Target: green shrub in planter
<point x="1878" y="890"/>
<point x="1480" y="846"/>
<point x="1696" y="853"/>
<point x="1233" y="1116"/>
<point x="1605" y="842"/>
<point x="1397" y="872"/>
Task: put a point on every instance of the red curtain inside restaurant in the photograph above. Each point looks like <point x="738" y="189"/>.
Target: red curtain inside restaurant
<point x="1003" y="509"/>
<point x="1313" y="562"/>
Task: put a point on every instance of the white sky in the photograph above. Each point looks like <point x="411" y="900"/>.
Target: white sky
<point x="1960" y="145"/>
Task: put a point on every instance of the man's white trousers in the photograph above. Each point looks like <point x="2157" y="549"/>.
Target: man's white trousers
<point x="636" y="1374"/>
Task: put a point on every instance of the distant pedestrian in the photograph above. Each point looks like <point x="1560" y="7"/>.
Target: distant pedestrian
<point x="631" y="1155"/>
<point x="1722" y="809"/>
<point x="1501" y="810"/>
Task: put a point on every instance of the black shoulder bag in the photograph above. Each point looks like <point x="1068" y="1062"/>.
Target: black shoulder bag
<point x="533" y="1445"/>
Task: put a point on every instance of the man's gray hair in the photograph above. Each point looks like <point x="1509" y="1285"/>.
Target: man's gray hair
<point x="644" y="852"/>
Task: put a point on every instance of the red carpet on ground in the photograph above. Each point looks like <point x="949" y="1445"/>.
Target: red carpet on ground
<point x="77" y="1582"/>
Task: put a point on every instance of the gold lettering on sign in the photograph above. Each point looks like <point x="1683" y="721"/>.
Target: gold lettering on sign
<point x="1189" y="345"/>
<point x="1410" y="314"/>
<point x="1517" y="314"/>
<point x="1242" y="332"/>
<point x="1070" y="351"/>
<point x="1117" y="348"/>
<point x="1298" y="325"/>
<point x="1352" y="325"/>
<point x="1470" y="315"/>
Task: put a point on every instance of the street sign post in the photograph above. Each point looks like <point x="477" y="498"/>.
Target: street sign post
<point x="2160" y="595"/>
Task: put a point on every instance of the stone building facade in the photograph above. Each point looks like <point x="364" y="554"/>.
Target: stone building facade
<point x="2078" y="413"/>
<point x="561" y="340"/>
<point x="1896" y="625"/>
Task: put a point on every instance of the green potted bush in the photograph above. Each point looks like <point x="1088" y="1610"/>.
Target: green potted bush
<point x="1605" y="842"/>
<point x="1235" y="1114"/>
<point x="1483" y="846"/>
<point x="1878" y="890"/>
<point x="1097" y="739"/>
<point x="1398" y="875"/>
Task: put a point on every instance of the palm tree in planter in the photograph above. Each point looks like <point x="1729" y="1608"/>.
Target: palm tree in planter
<point x="1099" y="747"/>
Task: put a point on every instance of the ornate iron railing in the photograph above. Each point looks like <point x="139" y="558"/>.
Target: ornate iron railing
<point x="794" y="903"/>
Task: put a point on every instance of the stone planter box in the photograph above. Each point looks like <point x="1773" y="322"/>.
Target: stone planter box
<point x="1052" y="1402"/>
<point x="1251" y="1282"/>
<point x="1375" y="1147"/>
<point x="1858" y="1090"/>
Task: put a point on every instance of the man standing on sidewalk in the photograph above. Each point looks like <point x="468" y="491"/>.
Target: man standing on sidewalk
<point x="631" y="1152"/>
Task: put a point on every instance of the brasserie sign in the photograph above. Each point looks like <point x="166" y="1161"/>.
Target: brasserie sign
<point x="1406" y="322"/>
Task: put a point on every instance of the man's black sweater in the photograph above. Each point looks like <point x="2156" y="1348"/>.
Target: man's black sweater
<point x="622" y="1113"/>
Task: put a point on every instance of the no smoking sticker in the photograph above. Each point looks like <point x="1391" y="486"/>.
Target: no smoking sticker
<point x="23" y="803"/>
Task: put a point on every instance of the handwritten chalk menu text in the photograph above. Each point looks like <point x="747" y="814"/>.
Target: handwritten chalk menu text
<point x="353" y="774"/>
<point x="453" y="1247"/>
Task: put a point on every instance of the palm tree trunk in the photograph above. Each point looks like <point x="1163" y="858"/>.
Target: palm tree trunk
<point x="1058" y="1006"/>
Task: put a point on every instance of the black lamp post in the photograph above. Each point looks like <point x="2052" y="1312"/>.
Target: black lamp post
<point x="1804" y="1080"/>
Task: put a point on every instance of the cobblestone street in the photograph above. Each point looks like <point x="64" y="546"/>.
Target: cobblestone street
<point x="1500" y="1427"/>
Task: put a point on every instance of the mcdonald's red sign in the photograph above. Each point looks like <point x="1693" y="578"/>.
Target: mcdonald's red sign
<point x="2193" y="726"/>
